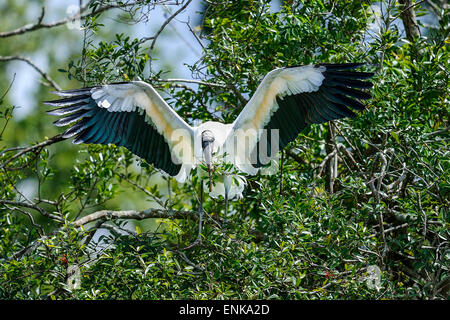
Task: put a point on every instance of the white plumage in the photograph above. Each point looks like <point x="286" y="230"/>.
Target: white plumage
<point x="134" y="115"/>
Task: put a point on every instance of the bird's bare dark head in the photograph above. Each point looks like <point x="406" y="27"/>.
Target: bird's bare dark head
<point x="207" y="138"/>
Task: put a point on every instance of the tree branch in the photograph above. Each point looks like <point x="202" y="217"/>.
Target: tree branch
<point x="435" y="133"/>
<point x="32" y="64"/>
<point x="155" y="37"/>
<point x="211" y="84"/>
<point x="79" y="15"/>
<point x="32" y="206"/>
<point x="134" y="214"/>
<point x="231" y="86"/>
<point x="45" y="143"/>
<point x="151" y="195"/>
<point x="408" y="16"/>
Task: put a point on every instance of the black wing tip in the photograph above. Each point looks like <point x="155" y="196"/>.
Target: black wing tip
<point x="72" y="92"/>
<point x="348" y="82"/>
<point x="354" y="75"/>
<point x="341" y="66"/>
<point x="70" y="98"/>
<point x="68" y="135"/>
<point x="58" y="123"/>
<point x="53" y="112"/>
<point x="77" y="141"/>
<point x="368" y="85"/>
<point x="338" y="66"/>
<point x="331" y="65"/>
<point x="53" y="103"/>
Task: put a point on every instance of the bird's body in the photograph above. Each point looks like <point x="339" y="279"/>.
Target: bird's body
<point x="135" y="116"/>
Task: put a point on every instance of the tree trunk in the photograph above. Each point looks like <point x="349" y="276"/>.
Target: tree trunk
<point x="408" y="16"/>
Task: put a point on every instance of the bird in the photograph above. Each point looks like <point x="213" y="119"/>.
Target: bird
<point x="288" y="99"/>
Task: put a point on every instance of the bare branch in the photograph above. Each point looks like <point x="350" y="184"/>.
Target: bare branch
<point x="32" y="206"/>
<point x="33" y="148"/>
<point x="195" y="35"/>
<point x="404" y="225"/>
<point x="340" y="146"/>
<point x="397" y="182"/>
<point x="151" y="195"/>
<point x="30" y="217"/>
<point x="435" y="133"/>
<point x="134" y="214"/>
<point x="324" y="162"/>
<point x="231" y="85"/>
<point x="79" y="15"/>
<point x="104" y="215"/>
<point x="295" y="156"/>
<point x="32" y="64"/>
<point x="117" y="231"/>
<point x="210" y="84"/>
<point x="163" y="26"/>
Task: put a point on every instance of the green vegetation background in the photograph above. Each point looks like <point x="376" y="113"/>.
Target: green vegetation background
<point x="309" y="232"/>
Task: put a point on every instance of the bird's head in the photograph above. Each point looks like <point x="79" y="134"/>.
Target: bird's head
<point x="207" y="147"/>
<point x="207" y="138"/>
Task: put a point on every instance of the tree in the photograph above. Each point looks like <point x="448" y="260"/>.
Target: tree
<point x="352" y="198"/>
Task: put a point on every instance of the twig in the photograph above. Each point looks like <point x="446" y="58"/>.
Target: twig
<point x="185" y="258"/>
<point x="340" y="146"/>
<point x="151" y="195"/>
<point x="211" y="84"/>
<point x="45" y="143"/>
<point x="410" y="6"/>
<point x="195" y="35"/>
<point x="9" y="88"/>
<point x="7" y="117"/>
<point x="404" y="225"/>
<point x="30" y="217"/>
<point x="435" y="133"/>
<point x="39" y="25"/>
<point x="295" y="156"/>
<point x="163" y="26"/>
<point x="32" y="64"/>
<point x="32" y="206"/>
<point x="324" y="161"/>
<point x="231" y="85"/>
<point x="399" y="180"/>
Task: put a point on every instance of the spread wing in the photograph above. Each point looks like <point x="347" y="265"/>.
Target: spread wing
<point x="129" y="114"/>
<point x="289" y="99"/>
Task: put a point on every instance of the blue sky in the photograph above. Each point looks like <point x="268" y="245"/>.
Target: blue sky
<point x="176" y="42"/>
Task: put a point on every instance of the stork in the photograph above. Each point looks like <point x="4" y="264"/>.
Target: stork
<point x="135" y="116"/>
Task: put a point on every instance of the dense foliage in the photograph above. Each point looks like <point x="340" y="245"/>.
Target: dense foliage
<point x="351" y="196"/>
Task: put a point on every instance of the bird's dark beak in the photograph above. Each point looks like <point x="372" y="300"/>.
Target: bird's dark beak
<point x="207" y="146"/>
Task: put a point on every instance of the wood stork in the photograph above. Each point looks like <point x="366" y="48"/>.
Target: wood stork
<point x="134" y="115"/>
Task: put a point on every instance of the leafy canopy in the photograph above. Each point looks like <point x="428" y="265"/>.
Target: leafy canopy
<point x="371" y="191"/>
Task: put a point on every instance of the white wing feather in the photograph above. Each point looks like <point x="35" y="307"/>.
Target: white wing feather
<point x="142" y="97"/>
<point x="259" y="109"/>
